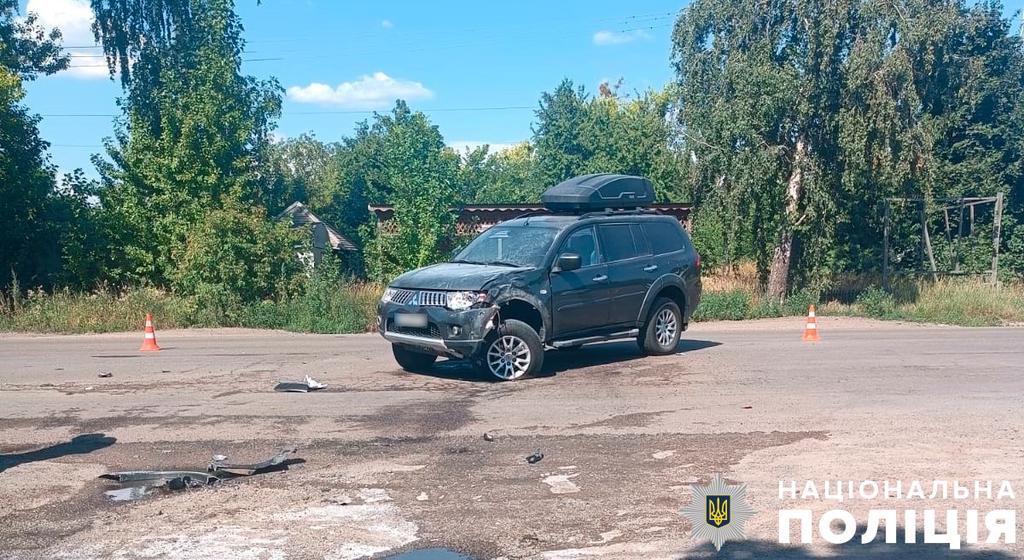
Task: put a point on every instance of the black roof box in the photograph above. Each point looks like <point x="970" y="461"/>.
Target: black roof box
<point x="589" y="193"/>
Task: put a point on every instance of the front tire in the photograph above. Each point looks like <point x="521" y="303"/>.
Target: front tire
<point x="410" y="360"/>
<point x="513" y="351"/>
<point x="660" y="334"/>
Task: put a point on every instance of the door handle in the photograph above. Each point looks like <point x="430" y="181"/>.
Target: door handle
<point x="600" y="278"/>
<point x="650" y="268"/>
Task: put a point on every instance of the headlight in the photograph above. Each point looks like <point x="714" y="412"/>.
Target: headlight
<point x="388" y="294"/>
<point x="457" y="301"/>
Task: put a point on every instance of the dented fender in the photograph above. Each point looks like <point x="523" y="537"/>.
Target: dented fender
<point x="532" y="288"/>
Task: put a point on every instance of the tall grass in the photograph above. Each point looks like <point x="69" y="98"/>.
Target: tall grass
<point x="340" y="308"/>
<point x="330" y="306"/>
<point x="735" y="294"/>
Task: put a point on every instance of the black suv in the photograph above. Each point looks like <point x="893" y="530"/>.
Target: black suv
<point x="600" y="267"/>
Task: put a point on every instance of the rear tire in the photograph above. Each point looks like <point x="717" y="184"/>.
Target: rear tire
<point x="660" y="334"/>
<point x="514" y="350"/>
<point x="410" y="360"/>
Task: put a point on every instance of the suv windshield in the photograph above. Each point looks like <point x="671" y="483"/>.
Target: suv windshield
<point x="510" y="246"/>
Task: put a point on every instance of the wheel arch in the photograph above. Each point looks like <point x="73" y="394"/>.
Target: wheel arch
<point x="668" y="285"/>
<point x="523" y="307"/>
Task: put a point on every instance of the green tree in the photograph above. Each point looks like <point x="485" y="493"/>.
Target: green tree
<point x="26" y="176"/>
<point x="401" y="158"/>
<point x="800" y="117"/>
<point x="303" y="169"/>
<point x="502" y="177"/>
<point x="760" y="87"/>
<point x="577" y="134"/>
<point x="559" y="135"/>
<point x="194" y="129"/>
<point x="74" y="226"/>
<point x="233" y="256"/>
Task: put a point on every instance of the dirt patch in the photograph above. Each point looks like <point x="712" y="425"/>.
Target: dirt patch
<point x="634" y="420"/>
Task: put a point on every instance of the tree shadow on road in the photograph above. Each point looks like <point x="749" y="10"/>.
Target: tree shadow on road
<point x="79" y="445"/>
<point x="751" y="549"/>
<point x="556" y="361"/>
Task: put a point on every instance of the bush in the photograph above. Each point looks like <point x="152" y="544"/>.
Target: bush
<point x="877" y="303"/>
<point x="799" y="302"/>
<point x="733" y="305"/>
<point x="235" y="257"/>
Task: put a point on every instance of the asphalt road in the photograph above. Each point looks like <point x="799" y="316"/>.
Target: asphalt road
<point x="392" y="462"/>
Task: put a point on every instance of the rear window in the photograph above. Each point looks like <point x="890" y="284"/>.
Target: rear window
<point x="664" y="237"/>
<point x="617" y="242"/>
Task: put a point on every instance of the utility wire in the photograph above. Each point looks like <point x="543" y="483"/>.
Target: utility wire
<point x="327" y="112"/>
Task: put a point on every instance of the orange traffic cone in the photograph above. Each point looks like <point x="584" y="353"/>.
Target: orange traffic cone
<point x="149" y="342"/>
<point x="811" y="331"/>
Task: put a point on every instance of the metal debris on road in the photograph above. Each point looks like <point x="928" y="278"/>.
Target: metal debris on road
<point x="306" y="385"/>
<point x="488" y="436"/>
<point x="535" y="457"/>
<point x="139" y="483"/>
<point x="218" y="464"/>
<point x="171" y="479"/>
<point x="105" y="374"/>
<point x="314" y="384"/>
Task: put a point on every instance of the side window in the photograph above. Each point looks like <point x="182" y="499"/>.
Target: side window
<point x="665" y="237"/>
<point x="640" y="240"/>
<point x="583" y="243"/>
<point x="617" y="242"/>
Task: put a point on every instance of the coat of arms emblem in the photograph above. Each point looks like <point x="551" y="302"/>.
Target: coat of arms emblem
<point x="718" y="511"/>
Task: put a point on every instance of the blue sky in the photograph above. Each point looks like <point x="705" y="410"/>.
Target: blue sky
<point x="340" y="60"/>
<point x="356" y="56"/>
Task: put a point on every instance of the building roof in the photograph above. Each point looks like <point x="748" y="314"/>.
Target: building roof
<point x="475" y="218"/>
<point x="301" y="215"/>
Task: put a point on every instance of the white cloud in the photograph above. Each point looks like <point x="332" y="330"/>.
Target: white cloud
<point x="461" y="146"/>
<point x="74" y="19"/>
<point x="368" y="92"/>
<point x="386" y="24"/>
<point x="606" y="38"/>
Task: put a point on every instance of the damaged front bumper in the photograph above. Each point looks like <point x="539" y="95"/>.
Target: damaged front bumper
<point x="456" y="334"/>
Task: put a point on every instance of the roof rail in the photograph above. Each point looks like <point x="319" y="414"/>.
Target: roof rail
<point x="533" y="213"/>
<point x="620" y="212"/>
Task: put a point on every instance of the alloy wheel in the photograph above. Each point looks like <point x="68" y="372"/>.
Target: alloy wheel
<point x="508" y="357"/>
<point x="665" y="327"/>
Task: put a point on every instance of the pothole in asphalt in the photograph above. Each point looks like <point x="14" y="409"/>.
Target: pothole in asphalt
<point x="430" y="554"/>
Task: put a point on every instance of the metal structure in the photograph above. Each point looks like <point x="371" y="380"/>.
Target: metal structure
<point x="966" y="208"/>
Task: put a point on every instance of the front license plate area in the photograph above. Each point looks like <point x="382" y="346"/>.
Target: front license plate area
<point x="410" y="319"/>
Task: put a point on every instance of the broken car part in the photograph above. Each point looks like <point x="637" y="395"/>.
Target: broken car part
<point x="306" y="385"/>
<point x="140" y="482"/>
<point x="171" y="479"/>
<point x="218" y="464"/>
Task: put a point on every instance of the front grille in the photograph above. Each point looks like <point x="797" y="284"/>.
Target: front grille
<point x="402" y="296"/>
<point x="433" y="299"/>
<point x="430" y="331"/>
<point x="425" y="298"/>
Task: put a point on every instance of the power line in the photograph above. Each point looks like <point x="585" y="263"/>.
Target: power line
<point x="328" y="112"/>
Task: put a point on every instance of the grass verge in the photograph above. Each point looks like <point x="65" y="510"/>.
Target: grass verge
<point x="350" y="307"/>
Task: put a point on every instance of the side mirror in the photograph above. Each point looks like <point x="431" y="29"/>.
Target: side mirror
<point x="567" y="262"/>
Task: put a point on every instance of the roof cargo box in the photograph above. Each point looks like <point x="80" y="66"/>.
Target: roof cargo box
<point x="589" y="193"/>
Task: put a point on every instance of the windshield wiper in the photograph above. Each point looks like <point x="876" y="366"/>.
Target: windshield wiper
<point x="504" y="263"/>
<point x="464" y="261"/>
